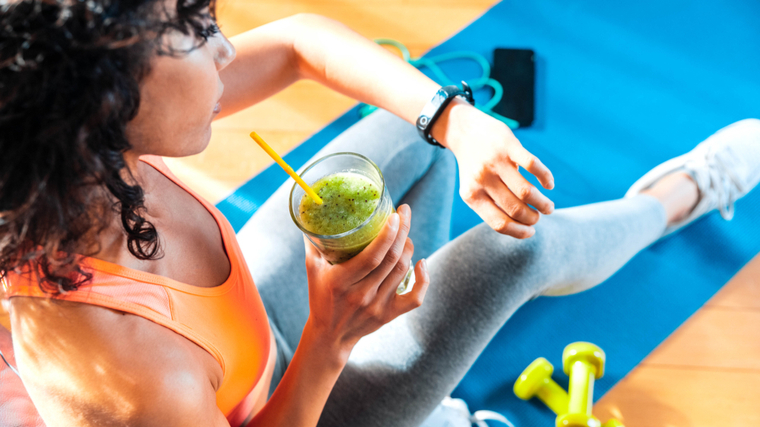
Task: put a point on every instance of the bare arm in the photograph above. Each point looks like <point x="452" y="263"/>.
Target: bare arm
<point x="265" y="63"/>
<point x="489" y="156"/>
<point x="273" y="56"/>
<point x="346" y="302"/>
<point x="301" y="394"/>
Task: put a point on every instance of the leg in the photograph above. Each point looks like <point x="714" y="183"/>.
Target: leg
<point x="480" y="279"/>
<point x="421" y="174"/>
<point x="431" y="200"/>
<point x="477" y="282"/>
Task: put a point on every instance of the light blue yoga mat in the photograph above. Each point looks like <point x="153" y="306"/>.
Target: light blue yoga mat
<point x="621" y="87"/>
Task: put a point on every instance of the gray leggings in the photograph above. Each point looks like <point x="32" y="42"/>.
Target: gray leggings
<point x="397" y="375"/>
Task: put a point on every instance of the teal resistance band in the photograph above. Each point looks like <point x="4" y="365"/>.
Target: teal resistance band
<point x="441" y="78"/>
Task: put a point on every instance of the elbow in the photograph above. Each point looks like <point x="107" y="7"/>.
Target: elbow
<point x="310" y="34"/>
<point x="312" y="20"/>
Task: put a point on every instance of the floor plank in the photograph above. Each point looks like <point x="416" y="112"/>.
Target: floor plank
<point x="676" y="397"/>
<point x="234" y="160"/>
<point x="713" y="338"/>
<point x="743" y="291"/>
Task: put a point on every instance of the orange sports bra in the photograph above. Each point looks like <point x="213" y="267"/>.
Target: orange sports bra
<point x="228" y="321"/>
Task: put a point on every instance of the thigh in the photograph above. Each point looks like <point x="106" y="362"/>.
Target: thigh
<point x="432" y="199"/>
<point x="273" y="246"/>
<point x="397" y="375"/>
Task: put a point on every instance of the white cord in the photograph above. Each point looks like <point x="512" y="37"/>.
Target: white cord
<point x="9" y="365"/>
<point x="479" y="418"/>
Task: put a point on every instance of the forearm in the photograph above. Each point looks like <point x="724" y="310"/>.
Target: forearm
<point x="271" y="57"/>
<point x="334" y="55"/>
<point x="301" y="395"/>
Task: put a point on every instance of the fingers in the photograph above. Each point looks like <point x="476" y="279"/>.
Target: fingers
<point x="525" y="191"/>
<point x="413" y="299"/>
<point x="498" y="220"/>
<point x="532" y="164"/>
<point x="313" y="257"/>
<point x="398" y="273"/>
<point x="509" y="203"/>
<point x="375" y="253"/>
<point x="395" y="252"/>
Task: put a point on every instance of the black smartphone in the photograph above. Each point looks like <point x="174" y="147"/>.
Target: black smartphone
<point x="515" y="69"/>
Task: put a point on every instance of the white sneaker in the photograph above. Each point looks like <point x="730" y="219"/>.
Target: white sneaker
<point x="455" y="413"/>
<point x="725" y="166"/>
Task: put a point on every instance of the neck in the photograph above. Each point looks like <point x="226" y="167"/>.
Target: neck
<point x="132" y="172"/>
<point x="112" y="241"/>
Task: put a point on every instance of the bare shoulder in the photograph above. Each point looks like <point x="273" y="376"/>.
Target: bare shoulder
<point x="85" y="365"/>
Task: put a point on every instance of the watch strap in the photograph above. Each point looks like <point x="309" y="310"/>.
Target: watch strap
<point x="435" y="107"/>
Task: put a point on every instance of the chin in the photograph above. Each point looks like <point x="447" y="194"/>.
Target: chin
<point x="203" y="142"/>
<point x="199" y="143"/>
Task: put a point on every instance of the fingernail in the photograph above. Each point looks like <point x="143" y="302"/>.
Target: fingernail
<point x="393" y="221"/>
<point x="406" y="211"/>
<point x="423" y="264"/>
<point x="525" y="230"/>
<point x="551" y="208"/>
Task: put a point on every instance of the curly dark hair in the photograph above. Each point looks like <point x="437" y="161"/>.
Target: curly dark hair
<point x="70" y="73"/>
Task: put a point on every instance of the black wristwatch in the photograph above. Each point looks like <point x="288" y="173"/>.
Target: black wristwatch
<point x="433" y="109"/>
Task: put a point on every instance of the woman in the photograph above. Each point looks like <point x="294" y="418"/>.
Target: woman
<point x="131" y="301"/>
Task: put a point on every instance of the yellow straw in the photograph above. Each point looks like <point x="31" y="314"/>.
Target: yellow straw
<point x="287" y="168"/>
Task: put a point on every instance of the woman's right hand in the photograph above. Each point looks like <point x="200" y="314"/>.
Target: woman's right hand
<point x="354" y="298"/>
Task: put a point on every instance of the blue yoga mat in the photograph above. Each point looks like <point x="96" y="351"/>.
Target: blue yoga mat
<point x="621" y="87"/>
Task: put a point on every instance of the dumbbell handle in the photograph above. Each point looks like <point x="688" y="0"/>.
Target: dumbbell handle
<point x="557" y="399"/>
<point x="554" y="396"/>
<point x="582" y="377"/>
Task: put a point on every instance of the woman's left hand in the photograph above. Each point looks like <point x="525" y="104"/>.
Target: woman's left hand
<point x="489" y="158"/>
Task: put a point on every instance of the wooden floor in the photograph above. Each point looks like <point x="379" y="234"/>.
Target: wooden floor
<point x="706" y="374"/>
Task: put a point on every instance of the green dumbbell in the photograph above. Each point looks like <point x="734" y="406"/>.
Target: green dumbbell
<point x="584" y="363"/>
<point x="536" y="380"/>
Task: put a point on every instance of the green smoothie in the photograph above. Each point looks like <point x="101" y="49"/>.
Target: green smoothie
<point x="349" y="199"/>
<point x="355" y="207"/>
